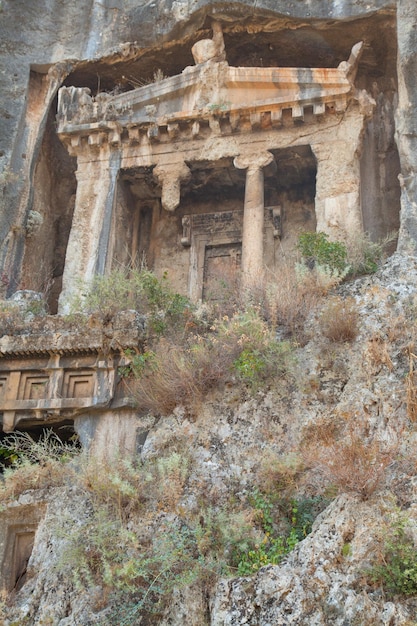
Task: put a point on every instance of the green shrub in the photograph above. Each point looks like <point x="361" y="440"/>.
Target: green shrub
<point x="316" y="249"/>
<point x="139" y="290"/>
<point x="396" y="570"/>
<point x="272" y="547"/>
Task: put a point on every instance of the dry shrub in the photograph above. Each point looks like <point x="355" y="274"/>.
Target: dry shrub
<point x="343" y="453"/>
<point x="280" y="474"/>
<point x="397" y="328"/>
<point x="35" y="464"/>
<point x="181" y="376"/>
<point x="171" y="474"/>
<point x="174" y="375"/>
<point x="11" y="318"/>
<point x="377" y="353"/>
<point x="411" y="386"/>
<point x="364" y="255"/>
<point x="28" y="476"/>
<point x="124" y="488"/>
<point x="285" y="298"/>
<point x="339" y="320"/>
<point x="118" y="485"/>
<point x="290" y="297"/>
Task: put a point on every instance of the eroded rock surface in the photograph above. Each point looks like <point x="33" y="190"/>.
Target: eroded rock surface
<point x="322" y="581"/>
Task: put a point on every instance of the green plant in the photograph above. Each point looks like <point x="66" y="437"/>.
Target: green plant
<point x="346" y="549"/>
<point x="136" y="364"/>
<point x="140" y="290"/>
<point x="316" y="249"/>
<point x="254" y="365"/>
<point x="272" y="547"/>
<point x="396" y="568"/>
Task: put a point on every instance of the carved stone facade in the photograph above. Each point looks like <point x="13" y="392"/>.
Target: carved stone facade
<point x="167" y="140"/>
<point x="63" y="373"/>
<point x="208" y="174"/>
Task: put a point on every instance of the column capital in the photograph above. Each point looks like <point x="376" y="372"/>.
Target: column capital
<point x="255" y="161"/>
<point x="170" y="178"/>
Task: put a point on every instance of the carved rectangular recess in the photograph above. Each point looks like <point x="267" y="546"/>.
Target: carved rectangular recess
<point x="18" y="525"/>
<point x="33" y="386"/>
<point x="78" y="384"/>
<point x="22" y="549"/>
<point x="221" y="265"/>
<point x="3" y="385"/>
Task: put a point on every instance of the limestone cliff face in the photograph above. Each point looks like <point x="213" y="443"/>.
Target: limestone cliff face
<point x="45" y="44"/>
<point x="323" y="580"/>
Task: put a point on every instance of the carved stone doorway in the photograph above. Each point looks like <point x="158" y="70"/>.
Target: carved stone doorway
<point x="221" y="270"/>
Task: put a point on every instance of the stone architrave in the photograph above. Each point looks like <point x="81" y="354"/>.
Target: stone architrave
<point x="253" y="215"/>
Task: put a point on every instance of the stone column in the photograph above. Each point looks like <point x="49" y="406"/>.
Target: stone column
<point x="338" y="192"/>
<point x="88" y="245"/>
<point x="253" y="215"/>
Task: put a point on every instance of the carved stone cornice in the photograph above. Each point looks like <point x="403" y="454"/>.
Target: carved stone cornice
<point x="206" y="98"/>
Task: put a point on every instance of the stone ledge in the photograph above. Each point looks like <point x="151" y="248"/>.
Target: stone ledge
<point x="59" y="335"/>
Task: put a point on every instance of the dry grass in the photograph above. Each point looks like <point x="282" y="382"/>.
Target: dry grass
<point x="242" y="348"/>
<point x="125" y="488"/>
<point x="285" y="298"/>
<point x="344" y="454"/>
<point x="28" y="476"/>
<point x="339" y="320"/>
<point x="181" y="376"/>
<point x="290" y="299"/>
<point x="281" y="474"/>
<point x="378" y="354"/>
<point x="411" y="386"/>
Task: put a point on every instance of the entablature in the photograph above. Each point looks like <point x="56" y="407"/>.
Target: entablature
<point x="210" y="96"/>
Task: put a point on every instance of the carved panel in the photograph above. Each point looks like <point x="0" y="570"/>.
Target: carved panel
<point x="78" y="384"/>
<point x="33" y="386"/>
<point x="221" y="265"/>
<point x="65" y="385"/>
<point x="18" y="525"/>
<point x="3" y="383"/>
